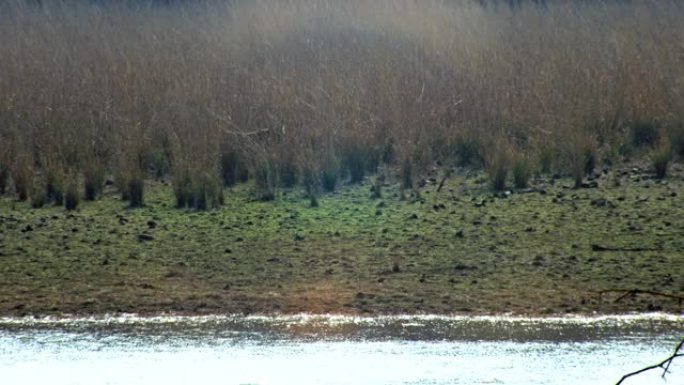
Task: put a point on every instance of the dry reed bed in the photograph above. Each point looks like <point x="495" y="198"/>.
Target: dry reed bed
<point x="316" y="91"/>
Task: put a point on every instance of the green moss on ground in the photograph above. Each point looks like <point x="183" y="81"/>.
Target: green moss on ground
<point x="464" y="249"/>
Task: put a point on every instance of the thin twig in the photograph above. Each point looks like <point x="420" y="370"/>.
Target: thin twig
<point x="665" y="365"/>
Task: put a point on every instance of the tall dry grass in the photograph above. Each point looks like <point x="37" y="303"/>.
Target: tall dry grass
<point x="208" y="90"/>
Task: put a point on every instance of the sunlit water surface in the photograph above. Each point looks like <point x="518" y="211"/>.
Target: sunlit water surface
<point x="308" y="350"/>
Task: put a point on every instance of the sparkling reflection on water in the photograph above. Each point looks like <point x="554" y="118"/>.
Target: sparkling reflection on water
<point x="306" y="349"/>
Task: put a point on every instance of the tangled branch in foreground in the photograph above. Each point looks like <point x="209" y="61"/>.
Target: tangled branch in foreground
<point x="665" y="365"/>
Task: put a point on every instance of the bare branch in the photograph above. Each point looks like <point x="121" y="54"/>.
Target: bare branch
<point x="665" y="364"/>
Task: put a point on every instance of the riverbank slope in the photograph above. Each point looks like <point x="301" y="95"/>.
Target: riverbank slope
<point x="550" y="249"/>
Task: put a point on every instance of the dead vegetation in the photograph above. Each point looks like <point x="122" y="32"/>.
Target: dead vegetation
<point x="316" y="92"/>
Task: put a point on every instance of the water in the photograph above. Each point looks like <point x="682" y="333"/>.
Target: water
<point x="307" y="350"/>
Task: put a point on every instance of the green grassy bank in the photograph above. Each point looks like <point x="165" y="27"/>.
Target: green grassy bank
<point x="543" y="250"/>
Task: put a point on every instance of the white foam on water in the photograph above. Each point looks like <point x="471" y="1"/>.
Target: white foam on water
<point x="340" y="319"/>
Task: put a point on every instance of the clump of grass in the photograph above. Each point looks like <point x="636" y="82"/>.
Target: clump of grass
<point x="71" y="197"/>
<point x="242" y="172"/>
<point x="232" y="168"/>
<point x="522" y="170"/>
<point x="406" y="174"/>
<point x="498" y="173"/>
<point x="546" y="156"/>
<point x="376" y="188"/>
<point x="198" y="185"/>
<point x="229" y="168"/>
<point x="388" y="152"/>
<point x="468" y="151"/>
<point x="4" y="178"/>
<point x="54" y="186"/>
<point x="676" y="137"/>
<point x="287" y="176"/>
<point x="660" y="158"/>
<point x="590" y="156"/>
<point x="311" y="183"/>
<point x="182" y="189"/>
<point x="611" y="156"/>
<point x="207" y="192"/>
<point x="577" y="174"/>
<point x="264" y="182"/>
<point x="355" y="159"/>
<point x="644" y="133"/>
<point x="38" y="196"/>
<point x="626" y="149"/>
<point x="199" y="195"/>
<point x="121" y="182"/>
<point x="287" y="173"/>
<point x="94" y="178"/>
<point x="330" y="173"/>
<point x="497" y="166"/>
<point x="22" y="177"/>
<point x="136" y="187"/>
<point x="582" y="154"/>
<point x="160" y="163"/>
